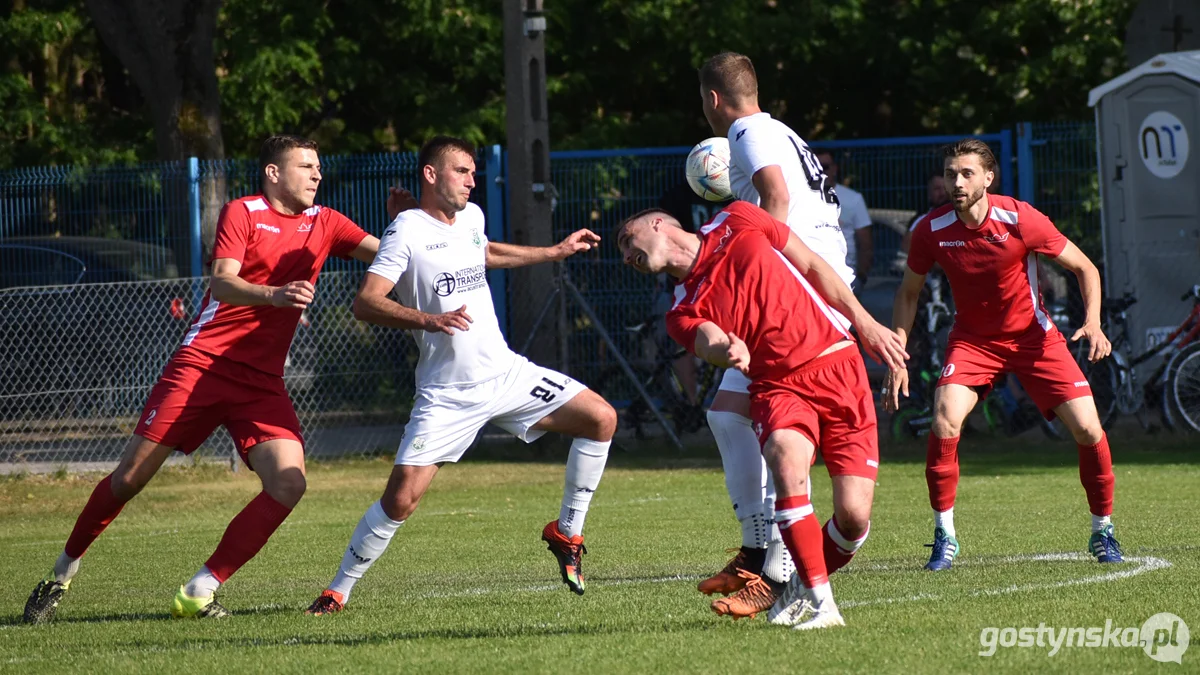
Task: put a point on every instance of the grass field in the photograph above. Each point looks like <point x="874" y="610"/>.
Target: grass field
<point x="468" y="587"/>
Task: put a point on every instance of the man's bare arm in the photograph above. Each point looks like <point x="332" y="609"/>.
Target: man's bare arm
<point x="373" y="305"/>
<point x="228" y="288"/>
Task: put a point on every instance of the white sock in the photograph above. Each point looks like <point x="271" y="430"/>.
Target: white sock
<point x="585" y="465"/>
<point x="203" y="584"/>
<point x="745" y="474"/>
<point x="945" y="520"/>
<point x="370" y="539"/>
<point x="1098" y="523"/>
<point x="821" y="593"/>
<point x="756" y="530"/>
<point x="65" y="568"/>
<point x="778" y="566"/>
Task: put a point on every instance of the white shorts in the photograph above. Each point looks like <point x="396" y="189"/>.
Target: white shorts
<point x="733" y="380"/>
<point x="446" y="420"/>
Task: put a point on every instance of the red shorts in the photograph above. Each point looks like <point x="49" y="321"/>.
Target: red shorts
<point x="829" y="401"/>
<point x="197" y="392"/>
<point x="1040" y="360"/>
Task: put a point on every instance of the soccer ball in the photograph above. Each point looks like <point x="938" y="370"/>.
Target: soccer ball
<point x="708" y="169"/>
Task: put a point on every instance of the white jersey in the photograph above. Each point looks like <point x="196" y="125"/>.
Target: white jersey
<point x="438" y="268"/>
<point x="758" y="141"/>
<point x="854" y="218"/>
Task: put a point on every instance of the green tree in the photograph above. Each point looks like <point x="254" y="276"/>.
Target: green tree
<point x="66" y="99"/>
<point x="381" y="75"/>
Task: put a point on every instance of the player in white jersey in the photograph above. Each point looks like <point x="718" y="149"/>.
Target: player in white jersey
<point x="436" y="257"/>
<point x="771" y="166"/>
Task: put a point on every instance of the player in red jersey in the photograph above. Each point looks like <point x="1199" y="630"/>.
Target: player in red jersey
<point x="988" y="247"/>
<point x="228" y="371"/>
<point x="753" y="297"/>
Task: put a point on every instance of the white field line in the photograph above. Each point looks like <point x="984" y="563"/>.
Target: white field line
<point x="1143" y="564"/>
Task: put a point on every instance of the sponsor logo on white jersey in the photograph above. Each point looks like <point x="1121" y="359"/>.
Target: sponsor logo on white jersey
<point x="434" y="247"/>
<point x="951" y="244"/>
<point x="269" y="228"/>
<point x="466" y="279"/>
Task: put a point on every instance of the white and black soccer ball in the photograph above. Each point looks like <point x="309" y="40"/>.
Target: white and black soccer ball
<point x="708" y="169"/>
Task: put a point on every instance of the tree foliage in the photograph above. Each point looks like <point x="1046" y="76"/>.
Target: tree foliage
<point x="382" y="75"/>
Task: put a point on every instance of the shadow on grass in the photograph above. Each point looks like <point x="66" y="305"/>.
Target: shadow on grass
<point x="146" y="616"/>
<point x="978" y="454"/>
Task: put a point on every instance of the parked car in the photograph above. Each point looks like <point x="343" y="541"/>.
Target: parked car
<point x="64" y="261"/>
<point x="72" y="344"/>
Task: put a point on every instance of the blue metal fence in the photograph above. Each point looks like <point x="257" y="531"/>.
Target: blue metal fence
<point x="170" y="205"/>
<point x="142" y="203"/>
<point x="1059" y="176"/>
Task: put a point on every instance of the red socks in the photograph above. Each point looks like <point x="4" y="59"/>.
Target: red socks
<point x="839" y="548"/>
<point x="1096" y="474"/>
<point x="102" y="508"/>
<point x="247" y="533"/>
<point x="941" y="471"/>
<point x="802" y="536"/>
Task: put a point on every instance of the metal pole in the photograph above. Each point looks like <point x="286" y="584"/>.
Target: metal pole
<point x="494" y="184"/>
<point x="1025" y="176"/>
<point x="194" y="210"/>
<point x="587" y="309"/>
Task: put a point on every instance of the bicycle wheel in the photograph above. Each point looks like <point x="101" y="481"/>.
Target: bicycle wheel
<point x="905" y="425"/>
<point x="1183" y="387"/>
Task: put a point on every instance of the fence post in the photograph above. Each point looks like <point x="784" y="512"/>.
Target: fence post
<point x="1006" y="149"/>
<point x="497" y="279"/>
<point x="1025" y="162"/>
<point x="194" y="213"/>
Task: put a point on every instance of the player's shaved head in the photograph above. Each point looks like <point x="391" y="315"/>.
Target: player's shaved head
<point x="645" y="240"/>
<point x="436" y="148"/>
<point x="971" y="146"/>
<point x="643" y="217"/>
<point x="732" y="76"/>
<point x="275" y="148"/>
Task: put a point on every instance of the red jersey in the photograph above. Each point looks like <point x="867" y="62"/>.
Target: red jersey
<point x="993" y="270"/>
<point x="274" y="249"/>
<point x="742" y="283"/>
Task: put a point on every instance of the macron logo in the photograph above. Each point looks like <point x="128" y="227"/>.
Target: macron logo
<point x="268" y="228"/>
<point x="951" y="244"/>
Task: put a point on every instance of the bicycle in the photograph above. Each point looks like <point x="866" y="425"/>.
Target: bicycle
<point x="658" y="377"/>
<point x="915" y="415"/>
<point x="1173" y="387"/>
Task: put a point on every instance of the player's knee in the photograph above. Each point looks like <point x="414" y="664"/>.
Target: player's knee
<point x="288" y="488"/>
<point x="854" y="522"/>
<point x="127" y="484"/>
<point x="1088" y="434"/>
<point x="603" y="423"/>
<point x="945" y="426"/>
<point x="399" y="506"/>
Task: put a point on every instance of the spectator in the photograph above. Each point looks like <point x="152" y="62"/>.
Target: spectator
<point x="935" y="195"/>
<point x="855" y="222"/>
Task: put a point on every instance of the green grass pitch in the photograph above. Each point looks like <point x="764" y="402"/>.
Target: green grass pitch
<point x="467" y="586"/>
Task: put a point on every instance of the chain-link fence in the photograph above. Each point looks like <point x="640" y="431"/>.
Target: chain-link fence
<point x="78" y="362"/>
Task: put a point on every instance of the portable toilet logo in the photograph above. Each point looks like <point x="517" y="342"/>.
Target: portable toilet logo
<point x="1163" y="144"/>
